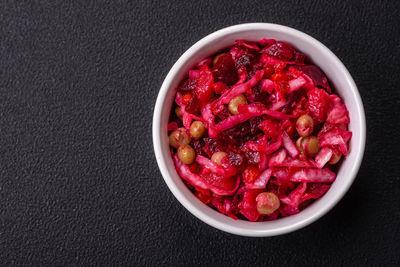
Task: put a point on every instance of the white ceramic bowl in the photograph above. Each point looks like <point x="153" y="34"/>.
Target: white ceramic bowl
<point x="338" y="76"/>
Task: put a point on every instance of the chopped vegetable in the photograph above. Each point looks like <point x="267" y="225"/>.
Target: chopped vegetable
<point x="323" y="157"/>
<point x="261" y="181"/>
<point x="238" y="89"/>
<point x="305" y="175"/>
<point x="203" y="89"/>
<point x="250" y="174"/>
<point x="289" y="145"/>
<point x="318" y="103"/>
<point x="216" y="168"/>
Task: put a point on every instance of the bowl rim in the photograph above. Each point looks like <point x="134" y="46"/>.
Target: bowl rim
<point x="157" y="137"/>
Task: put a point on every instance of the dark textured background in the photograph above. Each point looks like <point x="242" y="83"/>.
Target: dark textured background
<point x="79" y="183"/>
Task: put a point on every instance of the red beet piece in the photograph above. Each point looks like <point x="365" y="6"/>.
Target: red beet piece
<point x="249" y="205"/>
<point x="197" y="146"/>
<point x="220" y="87"/>
<point x="299" y="58"/>
<point x="270" y="128"/>
<point x="250" y="174"/>
<point x="193" y="106"/>
<point x="318" y="104"/>
<point x="235" y="159"/>
<point x="224" y="70"/>
<point x="316" y="75"/>
<point x="253" y="157"/>
<point x="279" y="50"/>
<point x="254" y="123"/>
<point x="244" y="57"/>
<point x="204" y="83"/>
<point x="227" y="184"/>
<point x="187" y="85"/>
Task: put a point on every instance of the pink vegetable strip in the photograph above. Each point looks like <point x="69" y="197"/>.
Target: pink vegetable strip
<point x="323" y="156"/>
<point x="273" y="147"/>
<point x="252" y="111"/>
<point x="197" y="181"/>
<point x="305" y="175"/>
<point x="296" y="84"/>
<point x="277" y="158"/>
<point x="242" y="77"/>
<point x="261" y="181"/>
<point x="213" y="167"/>
<point x="338" y="113"/>
<point x="261" y="145"/>
<point x="335" y="137"/>
<point x="278" y="105"/>
<point x="335" y="140"/>
<point x="267" y="85"/>
<point x="280" y="159"/>
<point x="239" y="89"/>
<point x="184" y="172"/>
<point x="295" y="197"/>
<point x="257" y="108"/>
<point x="208" y="119"/>
<point x="289" y="145"/>
<point x="336" y="131"/>
<point x="315" y="190"/>
<point x="231" y="122"/>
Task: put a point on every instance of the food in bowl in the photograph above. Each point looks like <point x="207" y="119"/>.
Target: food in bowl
<point x="256" y="132"/>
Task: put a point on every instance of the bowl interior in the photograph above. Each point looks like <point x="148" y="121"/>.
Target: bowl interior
<point x="338" y="77"/>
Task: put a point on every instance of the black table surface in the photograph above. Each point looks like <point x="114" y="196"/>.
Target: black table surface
<point x="79" y="184"/>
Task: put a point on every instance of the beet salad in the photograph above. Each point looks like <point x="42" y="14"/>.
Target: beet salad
<point x="256" y="132"/>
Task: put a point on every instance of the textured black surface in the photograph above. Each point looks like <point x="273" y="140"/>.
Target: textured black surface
<point x="79" y="184"/>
